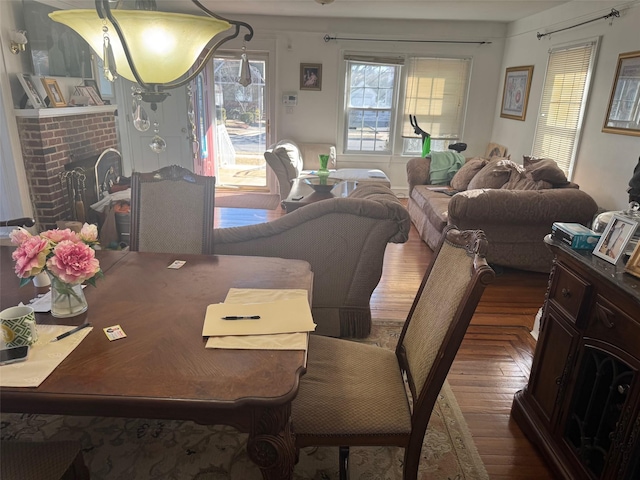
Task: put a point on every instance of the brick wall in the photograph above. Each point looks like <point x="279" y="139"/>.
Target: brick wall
<point x="48" y="143"/>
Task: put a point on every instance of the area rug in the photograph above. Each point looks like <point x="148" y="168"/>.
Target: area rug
<point x="138" y="449"/>
<point x="264" y="201"/>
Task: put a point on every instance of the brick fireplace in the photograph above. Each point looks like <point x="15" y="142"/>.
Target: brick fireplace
<point x="50" y="138"/>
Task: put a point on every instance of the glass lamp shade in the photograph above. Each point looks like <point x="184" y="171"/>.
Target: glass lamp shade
<point x="163" y="46"/>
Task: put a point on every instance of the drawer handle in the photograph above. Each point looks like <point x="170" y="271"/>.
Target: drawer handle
<point x="605" y="316"/>
<point x="566" y="293"/>
<point x="622" y="389"/>
<point x="559" y="380"/>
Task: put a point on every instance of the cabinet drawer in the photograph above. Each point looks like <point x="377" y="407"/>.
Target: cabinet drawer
<point x="610" y="324"/>
<point x="568" y="292"/>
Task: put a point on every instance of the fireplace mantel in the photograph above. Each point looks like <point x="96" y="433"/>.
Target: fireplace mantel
<point x="64" y="111"/>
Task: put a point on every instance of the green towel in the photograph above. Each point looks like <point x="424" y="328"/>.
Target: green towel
<point x="444" y="166"/>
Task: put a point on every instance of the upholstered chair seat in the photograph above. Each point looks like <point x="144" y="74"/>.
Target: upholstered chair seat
<point x="354" y="394"/>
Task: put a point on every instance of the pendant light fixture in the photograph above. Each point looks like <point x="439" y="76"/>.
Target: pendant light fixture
<point x="155" y="49"/>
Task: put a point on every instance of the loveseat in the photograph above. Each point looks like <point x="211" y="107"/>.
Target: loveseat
<point x="289" y="161"/>
<point x="344" y="240"/>
<point x="515" y="205"/>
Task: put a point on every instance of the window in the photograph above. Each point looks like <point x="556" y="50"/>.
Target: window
<point x="370" y="104"/>
<point x="566" y="86"/>
<point x="436" y="94"/>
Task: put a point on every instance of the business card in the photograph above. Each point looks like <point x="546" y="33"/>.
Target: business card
<point x="177" y="264"/>
<point x="114" y="333"/>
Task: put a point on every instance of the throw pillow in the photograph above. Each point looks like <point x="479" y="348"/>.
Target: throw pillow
<point x="461" y="179"/>
<point x="492" y="175"/>
<point x="544" y="169"/>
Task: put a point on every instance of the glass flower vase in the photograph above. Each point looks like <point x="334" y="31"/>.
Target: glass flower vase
<point x="66" y="300"/>
<point x="324" y="163"/>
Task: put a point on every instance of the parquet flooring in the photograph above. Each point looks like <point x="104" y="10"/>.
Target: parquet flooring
<point x="495" y="357"/>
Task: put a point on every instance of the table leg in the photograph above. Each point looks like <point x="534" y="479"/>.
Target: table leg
<point x="271" y="443"/>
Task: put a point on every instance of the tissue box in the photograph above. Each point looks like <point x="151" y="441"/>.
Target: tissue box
<point x="575" y="235"/>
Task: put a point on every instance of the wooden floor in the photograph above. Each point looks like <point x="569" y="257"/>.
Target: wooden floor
<point x="494" y="360"/>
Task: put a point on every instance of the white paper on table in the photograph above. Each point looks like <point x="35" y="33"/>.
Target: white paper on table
<point x="281" y="316"/>
<point x="44" y="356"/>
<point x="278" y="341"/>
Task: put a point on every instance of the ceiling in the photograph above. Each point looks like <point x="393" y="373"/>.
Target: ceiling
<point x="483" y="10"/>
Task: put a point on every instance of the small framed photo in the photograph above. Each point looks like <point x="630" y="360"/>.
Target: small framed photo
<point x="614" y="239"/>
<point x="26" y="81"/>
<point x="633" y="264"/>
<point x="311" y="76"/>
<point x="53" y="92"/>
<point x="94" y="92"/>
<point x="515" y="95"/>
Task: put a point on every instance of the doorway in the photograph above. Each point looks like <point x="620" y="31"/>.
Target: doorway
<point x="242" y="123"/>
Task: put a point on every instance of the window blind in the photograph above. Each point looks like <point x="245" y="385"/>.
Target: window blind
<point x="562" y="106"/>
<point x="436" y="93"/>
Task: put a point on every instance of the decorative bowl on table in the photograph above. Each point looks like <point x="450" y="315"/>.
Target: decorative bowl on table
<point x="322" y="184"/>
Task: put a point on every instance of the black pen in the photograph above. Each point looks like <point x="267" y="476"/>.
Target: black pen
<point x="71" y="332"/>
<point x="242" y="317"/>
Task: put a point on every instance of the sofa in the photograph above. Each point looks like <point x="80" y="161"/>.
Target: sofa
<point x="515" y="205"/>
<point x="289" y="161"/>
<point x="344" y="240"/>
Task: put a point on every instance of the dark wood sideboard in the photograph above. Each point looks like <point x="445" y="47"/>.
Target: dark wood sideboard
<point x="581" y="406"/>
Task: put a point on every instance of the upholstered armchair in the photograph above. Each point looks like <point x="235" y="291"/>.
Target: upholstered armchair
<point x="290" y="161"/>
<point x="344" y="240"/>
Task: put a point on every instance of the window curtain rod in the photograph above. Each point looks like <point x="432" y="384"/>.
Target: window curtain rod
<point x="327" y="38"/>
<point x="613" y="13"/>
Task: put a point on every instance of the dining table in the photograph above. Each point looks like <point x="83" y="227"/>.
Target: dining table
<point x="161" y="369"/>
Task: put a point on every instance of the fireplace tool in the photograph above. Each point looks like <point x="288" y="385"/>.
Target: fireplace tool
<point x="73" y="181"/>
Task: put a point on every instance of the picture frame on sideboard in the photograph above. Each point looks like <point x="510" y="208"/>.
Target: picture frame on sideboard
<point x="633" y="264"/>
<point x="614" y="239"/>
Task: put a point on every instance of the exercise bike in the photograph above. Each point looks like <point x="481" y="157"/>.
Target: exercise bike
<point x="426" y="139"/>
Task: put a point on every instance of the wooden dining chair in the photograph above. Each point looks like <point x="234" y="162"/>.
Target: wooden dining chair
<point x="172" y="211"/>
<point x="353" y="394"/>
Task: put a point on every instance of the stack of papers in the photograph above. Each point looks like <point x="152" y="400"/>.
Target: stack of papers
<point x="284" y="323"/>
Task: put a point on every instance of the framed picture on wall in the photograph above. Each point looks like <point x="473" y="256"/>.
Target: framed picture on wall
<point x="515" y="95"/>
<point x="29" y="87"/>
<point x="311" y="76"/>
<point x="623" y="114"/>
<point x="614" y="239"/>
<point x="53" y="92"/>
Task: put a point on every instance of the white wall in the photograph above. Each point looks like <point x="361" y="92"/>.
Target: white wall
<point x="15" y="198"/>
<point x="605" y="161"/>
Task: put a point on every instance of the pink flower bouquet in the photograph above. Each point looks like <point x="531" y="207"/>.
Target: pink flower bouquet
<point x="67" y="257"/>
<point x="64" y="254"/>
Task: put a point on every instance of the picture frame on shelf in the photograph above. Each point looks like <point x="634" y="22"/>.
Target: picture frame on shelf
<point x="93" y="84"/>
<point x="311" y="76"/>
<point x="27" y="82"/>
<point x="633" y="264"/>
<point x="80" y="97"/>
<point x="623" y="114"/>
<point x="93" y="95"/>
<point x="614" y="239"/>
<point x="515" y="94"/>
<point x="56" y="98"/>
